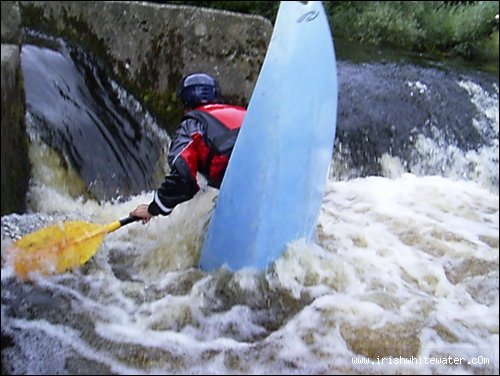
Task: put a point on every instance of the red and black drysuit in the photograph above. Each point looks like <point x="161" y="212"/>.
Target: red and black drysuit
<point x="202" y="143"/>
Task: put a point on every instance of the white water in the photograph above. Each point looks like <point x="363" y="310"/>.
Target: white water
<point x="404" y="267"/>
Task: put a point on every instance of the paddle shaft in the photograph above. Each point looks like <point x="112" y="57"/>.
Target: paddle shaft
<point x="122" y="222"/>
<point x="130" y="219"/>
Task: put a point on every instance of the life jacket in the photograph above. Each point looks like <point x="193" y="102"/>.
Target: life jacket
<point x="221" y="124"/>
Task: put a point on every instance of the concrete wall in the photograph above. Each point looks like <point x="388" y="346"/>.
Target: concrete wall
<point x="15" y="167"/>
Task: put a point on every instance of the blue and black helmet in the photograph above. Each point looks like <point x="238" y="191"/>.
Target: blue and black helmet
<point x="198" y="89"/>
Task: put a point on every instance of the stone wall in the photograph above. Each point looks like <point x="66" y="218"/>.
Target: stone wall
<point x="15" y="162"/>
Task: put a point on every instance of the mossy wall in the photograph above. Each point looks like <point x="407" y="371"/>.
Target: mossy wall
<point x="15" y="162"/>
<point x="148" y="48"/>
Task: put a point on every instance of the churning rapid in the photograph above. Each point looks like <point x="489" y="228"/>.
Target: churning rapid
<point x="403" y="278"/>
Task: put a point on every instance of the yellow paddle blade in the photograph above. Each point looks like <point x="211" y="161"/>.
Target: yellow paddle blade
<point x="57" y="248"/>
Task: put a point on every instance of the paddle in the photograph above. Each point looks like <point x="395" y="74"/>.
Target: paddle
<point x="57" y="248"/>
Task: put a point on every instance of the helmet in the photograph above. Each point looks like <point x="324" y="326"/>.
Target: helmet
<point x="199" y="88"/>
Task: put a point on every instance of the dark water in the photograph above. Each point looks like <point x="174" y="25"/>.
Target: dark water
<point x="386" y="108"/>
<point x="75" y="109"/>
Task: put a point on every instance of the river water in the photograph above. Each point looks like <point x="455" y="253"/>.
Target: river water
<point x="403" y="277"/>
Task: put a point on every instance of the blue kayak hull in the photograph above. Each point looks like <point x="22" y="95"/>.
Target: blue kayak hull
<point x="273" y="188"/>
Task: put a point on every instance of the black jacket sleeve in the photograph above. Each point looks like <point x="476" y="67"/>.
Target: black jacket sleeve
<point x="174" y="190"/>
<point x="180" y="185"/>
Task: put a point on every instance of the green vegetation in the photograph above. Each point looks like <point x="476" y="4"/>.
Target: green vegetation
<point x="467" y="29"/>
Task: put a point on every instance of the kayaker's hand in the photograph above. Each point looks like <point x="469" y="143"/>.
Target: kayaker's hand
<point x="142" y="212"/>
